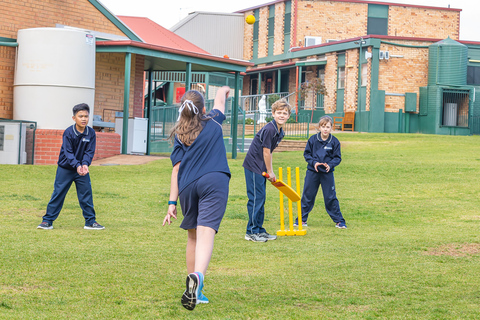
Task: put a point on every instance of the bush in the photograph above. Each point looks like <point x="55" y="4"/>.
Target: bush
<point x="248" y="121"/>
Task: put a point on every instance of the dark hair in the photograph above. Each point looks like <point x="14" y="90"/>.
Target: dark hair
<point x="80" y="107"/>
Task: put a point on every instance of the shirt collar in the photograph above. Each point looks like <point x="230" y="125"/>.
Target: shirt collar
<point x="77" y="133"/>
<point x="319" y="137"/>
<point x="276" y="127"/>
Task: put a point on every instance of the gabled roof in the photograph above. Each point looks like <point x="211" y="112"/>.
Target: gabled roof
<point x="155" y="34"/>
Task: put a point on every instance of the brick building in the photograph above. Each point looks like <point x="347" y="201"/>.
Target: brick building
<point x="375" y="58"/>
<point x="122" y="58"/>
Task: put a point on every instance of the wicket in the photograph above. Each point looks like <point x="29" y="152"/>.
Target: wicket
<point x="291" y="231"/>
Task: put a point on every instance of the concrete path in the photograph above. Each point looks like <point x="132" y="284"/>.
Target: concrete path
<point x="125" y="159"/>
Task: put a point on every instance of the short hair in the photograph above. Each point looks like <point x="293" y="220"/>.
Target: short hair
<point x="80" y="107"/>
<point x="324" y="120"/>
<point x="280" y="105"/>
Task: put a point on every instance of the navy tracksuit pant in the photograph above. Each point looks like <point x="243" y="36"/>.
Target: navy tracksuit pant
<point x="256" y="192"/>
<point x="63" y="180"/>
<point x="310" y="188"/>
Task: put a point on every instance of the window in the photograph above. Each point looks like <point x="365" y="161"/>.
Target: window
<point x="341" y="78"/>
<point x="255" y="34"/>
<point x="286" y="27"/>
<point x="271" y="29"/>
<point x="377" y="19"/>
<point x="473" y="76"/>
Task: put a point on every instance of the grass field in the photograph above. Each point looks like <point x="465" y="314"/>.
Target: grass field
<point x="411" y="250"/>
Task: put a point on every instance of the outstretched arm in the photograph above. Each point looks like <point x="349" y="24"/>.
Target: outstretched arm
<point x="221" y="98"/>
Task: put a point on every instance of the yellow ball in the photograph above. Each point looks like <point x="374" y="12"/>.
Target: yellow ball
<point x="250" y="19"/>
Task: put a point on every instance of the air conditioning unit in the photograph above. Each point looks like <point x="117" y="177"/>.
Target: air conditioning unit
<point x="13" y="142"/>
<point x="312" y="41"/>
<point x="331" y="40"/>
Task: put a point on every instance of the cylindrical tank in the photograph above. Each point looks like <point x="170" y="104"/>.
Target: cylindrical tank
<point x="447" y="63"/>
<point x="55" y="70"/>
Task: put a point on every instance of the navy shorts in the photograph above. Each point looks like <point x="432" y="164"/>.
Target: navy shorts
<point x="204" y="201"/>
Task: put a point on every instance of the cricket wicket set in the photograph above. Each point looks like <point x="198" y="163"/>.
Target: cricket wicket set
<point x="291" y="231"/>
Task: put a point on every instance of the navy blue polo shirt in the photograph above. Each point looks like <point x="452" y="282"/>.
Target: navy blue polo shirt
<point x="78" y="148"/>
<point x="206" y="154"/>
<point x="268" y="137"/>
<point x="323" y="151"/>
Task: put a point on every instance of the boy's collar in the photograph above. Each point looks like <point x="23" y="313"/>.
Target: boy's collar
<point x="78" y="132"/>
<point x="276" y="126"/>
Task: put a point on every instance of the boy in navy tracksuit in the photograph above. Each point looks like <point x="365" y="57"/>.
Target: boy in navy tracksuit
<point x="75" y="157"/>
<point x="257" y="161"/>
<point x="322" y="154"/>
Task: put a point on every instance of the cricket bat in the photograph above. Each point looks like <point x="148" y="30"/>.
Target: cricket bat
<point x="284" y="188"/>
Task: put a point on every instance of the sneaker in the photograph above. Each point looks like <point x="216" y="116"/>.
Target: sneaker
<point x="304" y="224"/>
<point x="341" y="225"/>
<point x="94" y="226"/>
<point x="189" y="297"/>
<point x="268" y="236"/>
<point x="255" y="237"/>
<point x="201" y="297"/>
<point x="45" y="225"/>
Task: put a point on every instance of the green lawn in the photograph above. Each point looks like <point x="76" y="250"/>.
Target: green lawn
<point x="411" y="250"/>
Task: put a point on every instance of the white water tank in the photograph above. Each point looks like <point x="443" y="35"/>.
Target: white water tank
<point x="55" y="70"/>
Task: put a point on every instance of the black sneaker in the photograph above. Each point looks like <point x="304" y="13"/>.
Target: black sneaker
<point x="189" y="297"/>
<point x="94" y="226"/>
<point x="255" y="237"/>
<point x="268" y="236"/>
<point x="45" y="225"/>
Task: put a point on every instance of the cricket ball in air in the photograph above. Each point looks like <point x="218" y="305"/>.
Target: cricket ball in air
<point x="250" y="19"/>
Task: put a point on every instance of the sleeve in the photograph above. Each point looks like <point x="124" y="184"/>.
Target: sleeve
<point x="336" y="156"/>
<point x="178" y="152"/>
<point x="218" y="116"/>
<point x="266" y="136"/>
<point x="308" y="153"/>
<point x="68" y="151"/>
<point x="90" y="150"/>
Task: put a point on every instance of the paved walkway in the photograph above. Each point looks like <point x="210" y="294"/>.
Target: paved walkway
<point x="125" y="159"/>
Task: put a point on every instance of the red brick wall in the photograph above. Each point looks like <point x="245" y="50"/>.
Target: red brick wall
<point x="48" y="143"/>
<point x="138" y="78"/>
<point x="110" y="81"/>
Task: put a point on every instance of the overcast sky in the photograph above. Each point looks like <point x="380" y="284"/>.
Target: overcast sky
<point x="168" y="12"/>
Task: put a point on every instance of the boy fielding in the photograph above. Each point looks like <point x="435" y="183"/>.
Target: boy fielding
<point x="322" y="154"/>
<point x="76" y="155"/>
<point x="257" y="161"/>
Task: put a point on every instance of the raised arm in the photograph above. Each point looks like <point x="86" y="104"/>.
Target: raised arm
<point x="221" y="98"/>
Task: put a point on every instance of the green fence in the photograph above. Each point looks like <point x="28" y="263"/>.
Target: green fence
<point x="249" y="123"/>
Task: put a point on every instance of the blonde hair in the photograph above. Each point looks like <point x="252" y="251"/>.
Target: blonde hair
<point x="324" y="120"/>
<point x="280" y="105"/>
<point x="189" y="124"/>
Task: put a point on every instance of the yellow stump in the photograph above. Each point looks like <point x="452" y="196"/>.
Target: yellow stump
<point x="281" y="232"/>
<point x="291" y="231"/>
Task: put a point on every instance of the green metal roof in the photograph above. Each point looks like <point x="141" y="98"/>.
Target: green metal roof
<point x="158" y="58"/>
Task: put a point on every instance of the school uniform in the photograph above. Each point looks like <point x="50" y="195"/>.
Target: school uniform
<point x="203" y="175"/>
<point x="254" y="164"/>
<point x="78" y="149"/>
<point x="322" y="151"/>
